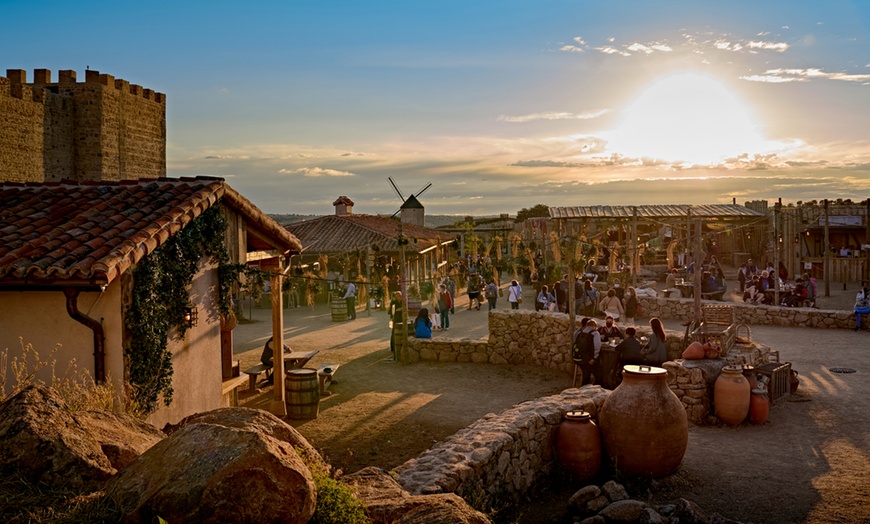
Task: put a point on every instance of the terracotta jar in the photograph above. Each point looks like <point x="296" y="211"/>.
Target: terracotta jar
<point x="731" y="395"/>
<point x="644" y="425"/>
<point x="578" y="445"/>
<point x="695" y="351"/>
<point x="749" y="373"/>
<point x="759" y="406"/>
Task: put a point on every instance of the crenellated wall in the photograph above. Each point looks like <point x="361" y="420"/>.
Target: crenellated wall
<point x="100" y="129"/>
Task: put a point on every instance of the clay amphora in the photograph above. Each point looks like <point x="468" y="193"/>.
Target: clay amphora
<point x="759" y="406"/>
<point x="644" y="425"/>
<point x="731" y="395"/>
<point x="694" y="351"/>
<point x="578" y="445"/>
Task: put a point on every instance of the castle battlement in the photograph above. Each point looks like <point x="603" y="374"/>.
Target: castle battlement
<point x="67" y="79"/>
<point x="102" y="128"/>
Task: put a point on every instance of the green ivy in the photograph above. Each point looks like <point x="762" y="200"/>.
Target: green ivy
<point x="161" y="287"/>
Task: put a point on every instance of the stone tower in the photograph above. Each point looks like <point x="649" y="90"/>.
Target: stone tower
<point x="100" y="129"/>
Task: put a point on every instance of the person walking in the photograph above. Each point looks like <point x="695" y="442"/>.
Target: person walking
<point x="445" y="304"/>
<point x="397" y="319"/>
<point x="491" y="294"/>
<point x="515" y="295"/>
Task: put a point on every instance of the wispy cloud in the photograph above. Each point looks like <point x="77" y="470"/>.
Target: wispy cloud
<point x="315" y="172"/>
<point x="805" y="75"/>
<point x="698" y="43"/>
<point x="553" y="115"/>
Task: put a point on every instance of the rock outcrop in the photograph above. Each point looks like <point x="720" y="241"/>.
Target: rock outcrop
<point x="42" y="441"/>
<point x="121" y="437"/>
<point x="223" y="466"/>
<point x="386" y="502"/>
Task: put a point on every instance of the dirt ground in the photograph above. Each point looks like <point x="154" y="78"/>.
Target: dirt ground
<point x="809" y="463"/>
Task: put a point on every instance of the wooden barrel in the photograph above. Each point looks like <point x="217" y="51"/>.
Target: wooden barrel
<point x="302" y="393"/>
<point x="339" y="309"/>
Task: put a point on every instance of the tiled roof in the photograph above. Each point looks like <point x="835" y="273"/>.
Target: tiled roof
<point x="91" y="232"/>
<point x="655" y="211"/>
<point x="346" y="233"/>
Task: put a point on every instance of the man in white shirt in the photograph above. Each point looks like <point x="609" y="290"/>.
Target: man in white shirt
<point x="350" y="297"/>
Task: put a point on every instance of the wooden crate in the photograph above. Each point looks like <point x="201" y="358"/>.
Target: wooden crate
<point x="778" y="379"/>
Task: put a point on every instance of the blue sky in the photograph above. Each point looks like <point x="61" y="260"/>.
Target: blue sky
<point x="500" y="104"/>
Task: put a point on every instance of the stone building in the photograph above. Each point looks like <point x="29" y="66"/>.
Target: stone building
<point x="102" y="129"/>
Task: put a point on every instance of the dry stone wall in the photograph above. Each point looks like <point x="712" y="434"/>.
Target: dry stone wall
<point x="519" y="337"/>
<point x="759" y="315"/>
<point x="499" y="455"/>
<point x="100" y="129"/>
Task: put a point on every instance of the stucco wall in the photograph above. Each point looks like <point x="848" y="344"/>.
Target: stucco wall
<point x="40" y="318"/>
<point x="196" y="360"/>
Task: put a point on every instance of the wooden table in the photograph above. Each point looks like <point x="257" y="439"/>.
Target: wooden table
<point x="686" y="290"/>
<point x="297" y="359"/>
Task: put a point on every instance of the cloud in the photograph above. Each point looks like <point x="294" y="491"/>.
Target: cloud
<point x="315" y="172"/>
<point x="553" y="115"/>
<point x="608" y="50"/>
<point x="780" y="47"/>
<point x="805" y="75"/>
<point x="650" y="48"/>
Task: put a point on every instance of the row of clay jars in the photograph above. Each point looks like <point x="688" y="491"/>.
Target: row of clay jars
<point x="734" y="399"/>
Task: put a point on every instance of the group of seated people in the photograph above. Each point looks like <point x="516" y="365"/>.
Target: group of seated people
<point x="758" y="290"/>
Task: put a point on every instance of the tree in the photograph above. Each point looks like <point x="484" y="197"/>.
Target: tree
<point x="539" y="210"/>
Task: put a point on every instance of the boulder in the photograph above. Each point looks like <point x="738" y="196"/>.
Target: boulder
<point x="217" y="469"/>
<point x="121" y="437"/>
<point x="689" y="513"/>
<point x="42" y="441"/>
<point x="624" y="511"/>
<point x="579" y="499"/>
<point x="614" y="491"/>
<point x="258" y="420"/>
<point x="387" y="502"/>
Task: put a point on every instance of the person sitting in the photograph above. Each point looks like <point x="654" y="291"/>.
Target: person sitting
<point x="797" y="296"/>
<point x="629" y="350"/>
<point x="608" y="330"/>
<point x="752" y="293"/>
<point x="422" y="324"/>
<point x="862" y="306"/>
<point x="545" y="299"/>
<point x="267" y="355"/>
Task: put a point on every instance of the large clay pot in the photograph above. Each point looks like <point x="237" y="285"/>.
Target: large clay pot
<point x="731" y="395"/>
<point x="694" y="351"/>
<point x="759" y="406"/>
<point x="578" y="445"/>
<point x="644" y="425"/>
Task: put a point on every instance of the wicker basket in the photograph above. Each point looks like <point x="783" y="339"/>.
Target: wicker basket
<point x="739" y="338"/>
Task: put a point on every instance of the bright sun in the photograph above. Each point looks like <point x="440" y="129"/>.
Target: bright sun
<point x="686" y="118"/>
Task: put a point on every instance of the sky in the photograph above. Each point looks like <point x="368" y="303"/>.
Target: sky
<point x="500" y="105"/>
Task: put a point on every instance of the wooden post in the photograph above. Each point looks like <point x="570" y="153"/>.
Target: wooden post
<point x="777" y="208"/>
<point x="826" y="264"/>
<point x="572" y="295"/>
<point x="635" y="259"/>
<point x="697" y="274"/>
<point x="277" y="407"/>
<point x="403" y="283"/>
<point x="866" y="241"/>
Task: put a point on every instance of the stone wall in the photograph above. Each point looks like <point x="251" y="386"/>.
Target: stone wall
<point x="519" y="336"/>
<point x="100" y="129"/>
<point x="750" y="314"/>
<point x="499" y="455"/>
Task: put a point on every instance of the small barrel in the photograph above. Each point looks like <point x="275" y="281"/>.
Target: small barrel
<point x="339" y="309"/>
<point x="302" y="394"/>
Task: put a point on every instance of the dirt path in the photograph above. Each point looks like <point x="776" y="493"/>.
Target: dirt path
<point x="809" y="463"/>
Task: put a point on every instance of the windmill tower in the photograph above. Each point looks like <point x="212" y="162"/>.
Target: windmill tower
<point x="412" y="211"/>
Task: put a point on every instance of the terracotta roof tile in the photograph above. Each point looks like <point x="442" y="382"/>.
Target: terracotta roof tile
<point x="345" y="233"/>
<point x="91" y="232"/>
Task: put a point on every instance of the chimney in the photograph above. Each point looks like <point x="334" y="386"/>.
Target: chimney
<point x="343" y="206"/>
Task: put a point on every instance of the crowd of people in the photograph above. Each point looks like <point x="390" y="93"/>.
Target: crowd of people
<point x="758" y="285"/>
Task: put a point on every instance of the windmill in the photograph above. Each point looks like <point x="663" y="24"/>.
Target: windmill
<point x="410" y="205"/>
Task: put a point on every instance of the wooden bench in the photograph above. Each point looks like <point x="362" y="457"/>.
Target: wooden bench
<point x="230" y="390"/>
<point x="324" y="375"/>
<point x="713" y="295"/>
<point x="254" y="372"/>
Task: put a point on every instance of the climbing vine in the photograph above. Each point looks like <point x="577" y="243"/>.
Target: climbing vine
<point x="161" y="287"/>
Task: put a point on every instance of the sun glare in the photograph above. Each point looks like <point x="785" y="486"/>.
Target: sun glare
<point x="686" y="118"/>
